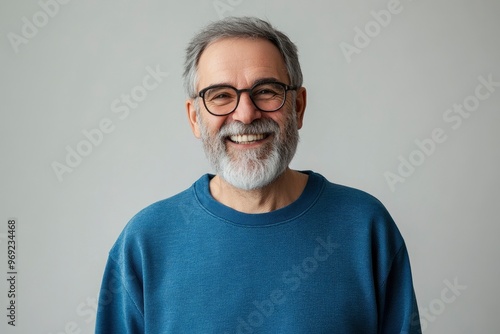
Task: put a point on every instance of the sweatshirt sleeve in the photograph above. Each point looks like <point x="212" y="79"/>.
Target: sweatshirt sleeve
<point x="120" y="307"/>
<point x="399" y="312"/>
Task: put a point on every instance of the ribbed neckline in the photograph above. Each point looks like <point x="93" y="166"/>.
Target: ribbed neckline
<point x="312" y="190"/>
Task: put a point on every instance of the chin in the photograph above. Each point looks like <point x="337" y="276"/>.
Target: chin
<point x="252" y="175"/>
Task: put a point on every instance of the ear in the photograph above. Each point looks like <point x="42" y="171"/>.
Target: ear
<point x="193" y="118"/>
<point x="300" y="103"/>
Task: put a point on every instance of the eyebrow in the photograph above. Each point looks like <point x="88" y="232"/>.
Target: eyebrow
<point x="265" y="80"/>
<point x="256" y="82"/>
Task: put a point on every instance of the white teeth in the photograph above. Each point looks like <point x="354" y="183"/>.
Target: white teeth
<point x="242" y="139"/>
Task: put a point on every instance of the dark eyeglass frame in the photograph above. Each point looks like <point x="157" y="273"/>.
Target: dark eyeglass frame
<point x="286" y="88"/>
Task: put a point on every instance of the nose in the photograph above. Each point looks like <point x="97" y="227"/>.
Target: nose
<point x="246" y="112"/>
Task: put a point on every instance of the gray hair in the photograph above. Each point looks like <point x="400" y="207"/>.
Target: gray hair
<point x="248" y="27"/>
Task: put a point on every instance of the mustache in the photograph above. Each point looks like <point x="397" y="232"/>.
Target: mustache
<point x="263" y="125"/>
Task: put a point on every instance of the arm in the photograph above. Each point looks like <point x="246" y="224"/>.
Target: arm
<point x="398" y="305"/>
<point x="120" y="302"/>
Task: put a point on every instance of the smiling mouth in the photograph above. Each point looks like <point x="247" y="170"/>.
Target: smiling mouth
<point x="247" y="138"/>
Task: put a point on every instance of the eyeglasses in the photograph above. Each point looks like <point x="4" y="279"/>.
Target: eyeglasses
<point x="221" y="100"/>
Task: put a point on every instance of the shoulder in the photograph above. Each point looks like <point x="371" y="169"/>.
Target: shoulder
<point x="350" y="200"/>
<point x="355" y="208"/>
<point x="362" y="212"/>
<point x="162" y="211"/>
<point x="158" y="221"/>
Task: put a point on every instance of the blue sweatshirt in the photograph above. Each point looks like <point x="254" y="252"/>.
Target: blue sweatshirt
<point x="333" y="261"/>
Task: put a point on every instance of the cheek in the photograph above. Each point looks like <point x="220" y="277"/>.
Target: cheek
<point x="280" y="118"/>
<point x="210" y="122"/>
<point x="213" y="126"/>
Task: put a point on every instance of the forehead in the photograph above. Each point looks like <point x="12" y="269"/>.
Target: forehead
<point x="240" y="62"/>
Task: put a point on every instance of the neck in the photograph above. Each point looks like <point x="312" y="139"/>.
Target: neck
<point x="280" y="193"/>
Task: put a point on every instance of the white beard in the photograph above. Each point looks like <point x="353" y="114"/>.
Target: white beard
<point x="252" y="168"/>
<point x="248" y="171"/>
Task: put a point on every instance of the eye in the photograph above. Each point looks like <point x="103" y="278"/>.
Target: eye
<point x="221" y="94"/>
<point x="267" y="91"/>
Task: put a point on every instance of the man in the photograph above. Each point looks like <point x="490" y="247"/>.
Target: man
<point x="257" y="247"/>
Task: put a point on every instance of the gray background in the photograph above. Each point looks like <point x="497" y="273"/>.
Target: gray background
<point x="362" y="115"/>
